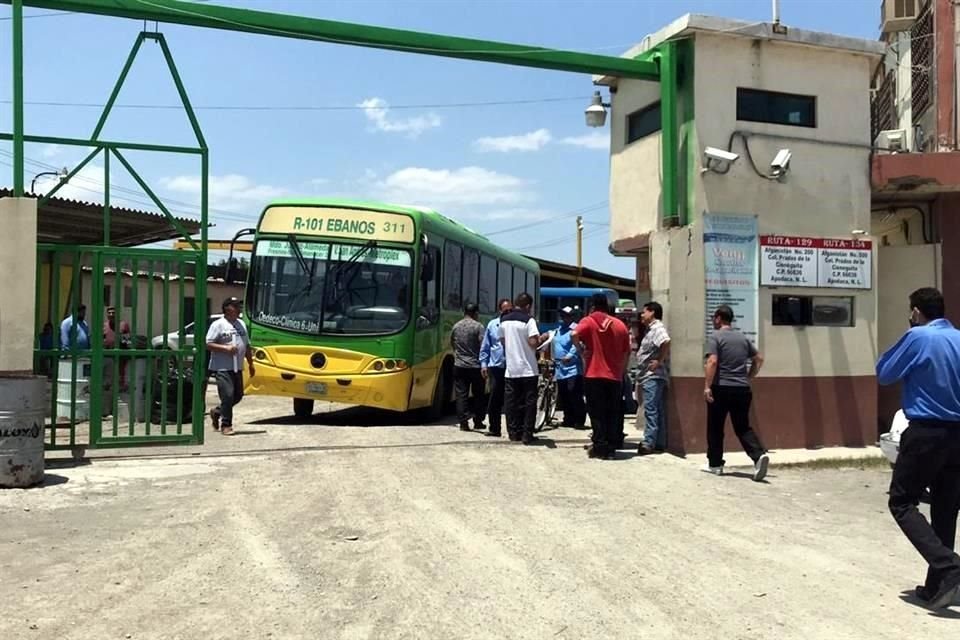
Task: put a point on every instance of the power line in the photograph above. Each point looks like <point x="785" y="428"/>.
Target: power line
<point x="268" y="108"/>
<point x="559" y="241"/>
<point x="587" y="209"/>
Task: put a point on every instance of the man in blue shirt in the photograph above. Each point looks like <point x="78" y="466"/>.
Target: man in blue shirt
<point x="927" y="361"/>
<point x="74" y="331"/>
<point x="492" y="368"/>
<point x="568" y="372"/>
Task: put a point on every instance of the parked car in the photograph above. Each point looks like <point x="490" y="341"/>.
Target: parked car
<point x="172" y="339"/>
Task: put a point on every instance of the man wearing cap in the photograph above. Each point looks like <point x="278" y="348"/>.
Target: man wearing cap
<point x="568" y="372"/>
<point x="229" y="344"/>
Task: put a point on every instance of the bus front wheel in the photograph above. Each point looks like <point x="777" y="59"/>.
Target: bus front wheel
<point x="442" y="393"/>
<point x="302" y="407"/>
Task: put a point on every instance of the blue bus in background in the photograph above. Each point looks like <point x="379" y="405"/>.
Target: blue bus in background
<point x="552" y="299"/>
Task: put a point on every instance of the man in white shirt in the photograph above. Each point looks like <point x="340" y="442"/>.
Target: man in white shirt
<point x="228" y="344"/>
<point x="521" y="337"/>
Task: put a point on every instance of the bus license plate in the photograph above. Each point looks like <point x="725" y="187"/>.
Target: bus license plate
<point x="317" y="388"/>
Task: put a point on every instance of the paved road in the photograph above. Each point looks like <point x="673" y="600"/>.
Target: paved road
<point x="330" y="531"/>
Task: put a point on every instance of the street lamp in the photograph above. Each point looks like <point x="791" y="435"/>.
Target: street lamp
<point x="62" y="173"/>
<point x="596" y="113"/>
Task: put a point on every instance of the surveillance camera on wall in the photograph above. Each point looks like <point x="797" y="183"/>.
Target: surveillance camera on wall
<point x="718" y="160"/>
<point x="780" y="164"/>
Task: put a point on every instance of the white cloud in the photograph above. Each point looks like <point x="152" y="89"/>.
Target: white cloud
<point x="533" y="141"/>
<point x="231" y="192"/>
<point x="377" y="111"/>
<point x="50" y="151"/>
<point x="596" y="140"/>
<point x="463" y="187"/>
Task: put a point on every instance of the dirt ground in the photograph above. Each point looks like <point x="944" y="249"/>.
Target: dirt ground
<point x="326" y="530"/>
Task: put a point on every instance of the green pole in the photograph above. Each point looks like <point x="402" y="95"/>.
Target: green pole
<point x="669" y="132"/>
<point x="18" y="98"/>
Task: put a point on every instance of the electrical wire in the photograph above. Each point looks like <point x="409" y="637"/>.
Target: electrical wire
<point x="587" y="209"/>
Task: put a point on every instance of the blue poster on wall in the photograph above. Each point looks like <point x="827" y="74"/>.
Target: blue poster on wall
<point x="731" y="270"/>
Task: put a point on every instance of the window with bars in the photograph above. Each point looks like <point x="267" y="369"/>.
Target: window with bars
<point x="921" y="73"/>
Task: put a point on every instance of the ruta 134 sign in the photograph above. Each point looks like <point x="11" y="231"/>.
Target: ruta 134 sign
<point x="788" y="261"/>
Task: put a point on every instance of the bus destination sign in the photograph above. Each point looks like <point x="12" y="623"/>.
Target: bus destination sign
<point x="339" y="223"/>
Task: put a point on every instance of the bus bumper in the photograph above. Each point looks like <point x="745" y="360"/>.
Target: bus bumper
<point x="389" y="390"/>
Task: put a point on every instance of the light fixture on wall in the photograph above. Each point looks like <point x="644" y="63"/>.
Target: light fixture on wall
<point x="718" y="160"/>
<point x="596" y="112"/>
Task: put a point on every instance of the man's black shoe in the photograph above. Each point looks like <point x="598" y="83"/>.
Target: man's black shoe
<point x="599" y="454"/>
<point x="922" y="593"/>
<point x="479" y="426"/>
<point x="947" y="593"/>
<point x="514" y="438"/>
<point x="528" y="440"/>
<point x="492" y="434"/>
<point x="464" y="427"/>
<point x="644" y="451"/>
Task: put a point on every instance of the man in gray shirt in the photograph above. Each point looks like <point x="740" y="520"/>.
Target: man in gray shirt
<point x="228" y="344"/>
<point x="732" y="360"/>
<point x="465" y="339"/>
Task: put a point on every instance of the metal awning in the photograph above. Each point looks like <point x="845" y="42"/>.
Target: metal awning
<point x="63" y="221"/>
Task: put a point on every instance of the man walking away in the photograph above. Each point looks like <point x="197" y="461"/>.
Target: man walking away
<point x="229" y="344"/>
<point x="652" y="378"/>
<point x="465" y="339"/>
<point x="568" y="372"/>
<point x="732" y="361"/>
<point x="492" y="365"/>
<point x="607" y="343"/>
<point x="927" y="360"/>
<point x="521" y="337"/>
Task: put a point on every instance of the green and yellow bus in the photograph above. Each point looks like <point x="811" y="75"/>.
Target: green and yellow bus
<point x="353" y="302"/>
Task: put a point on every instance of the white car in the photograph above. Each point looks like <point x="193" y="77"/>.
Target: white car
<point x="890" y="441"/>
<point x="172" y="339"/>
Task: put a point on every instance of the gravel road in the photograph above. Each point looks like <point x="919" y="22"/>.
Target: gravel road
<point x="331" y="531"/>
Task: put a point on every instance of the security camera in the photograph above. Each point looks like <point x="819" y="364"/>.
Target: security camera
<point x="718" y="160"/>
<point x="720" y="154"/>
<point x="780" y="164"/>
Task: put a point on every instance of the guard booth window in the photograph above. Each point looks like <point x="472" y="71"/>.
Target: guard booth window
<point x="813" y="311"/>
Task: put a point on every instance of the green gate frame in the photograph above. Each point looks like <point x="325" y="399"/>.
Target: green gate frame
<point x="197" y="255"/>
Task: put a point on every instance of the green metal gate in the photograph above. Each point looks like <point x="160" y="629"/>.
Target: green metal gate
<point x="126" y="363"/>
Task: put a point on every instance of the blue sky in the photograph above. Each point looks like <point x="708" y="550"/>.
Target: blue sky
<point x="492" y="167"/>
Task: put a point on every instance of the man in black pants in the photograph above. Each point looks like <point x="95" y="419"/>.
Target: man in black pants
<point x="465" y="339"/>
<point x="925" y="361"/>
<point x="606" y="343"/>
<point x="732" y="361"/>
<point x="492" y="367"/>
<point x="521" y="337"/>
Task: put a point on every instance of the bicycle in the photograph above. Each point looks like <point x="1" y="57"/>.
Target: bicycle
<point x="546" y="395"/>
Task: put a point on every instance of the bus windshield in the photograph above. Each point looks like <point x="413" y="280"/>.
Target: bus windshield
<point x="358" y="289"/>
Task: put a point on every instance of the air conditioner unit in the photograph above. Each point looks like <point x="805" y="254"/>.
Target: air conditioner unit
<point x="898" y="15"/>
<point x="892" y="141"/>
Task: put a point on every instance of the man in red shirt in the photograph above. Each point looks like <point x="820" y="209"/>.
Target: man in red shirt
<point x="606" y="343"/>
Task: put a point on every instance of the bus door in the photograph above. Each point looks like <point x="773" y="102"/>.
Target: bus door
<point x="427" y="347"/>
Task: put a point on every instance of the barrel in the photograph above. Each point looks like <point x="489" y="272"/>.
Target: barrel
<point x="80" y="402"/>
<point x="21" y="430"/>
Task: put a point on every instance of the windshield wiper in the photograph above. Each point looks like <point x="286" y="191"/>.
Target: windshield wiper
<point x="309" y="271"/>
<point x="335" y="271"/>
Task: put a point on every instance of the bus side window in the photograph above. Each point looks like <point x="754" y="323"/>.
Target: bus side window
<point x="505" y="281"/>
<point x="471" y="276"/>
<point x="452" y="268"/>
<point x="519" y="282"/>
<point x="430" y="291"/>
<point x="488" y="285"/>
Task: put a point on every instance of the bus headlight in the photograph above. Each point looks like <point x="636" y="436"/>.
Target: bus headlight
<point x="260" y="354"/>
<point x="378" y="365"/>
<point x="382" y="365"/>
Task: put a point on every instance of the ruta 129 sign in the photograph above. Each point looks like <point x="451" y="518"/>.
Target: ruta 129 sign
<point x="828" y="263"/>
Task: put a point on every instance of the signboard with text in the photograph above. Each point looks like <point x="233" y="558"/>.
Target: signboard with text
<point x="358" y="224"/>
<point x="789" y="261"/>
<point x="730" y="265"/>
